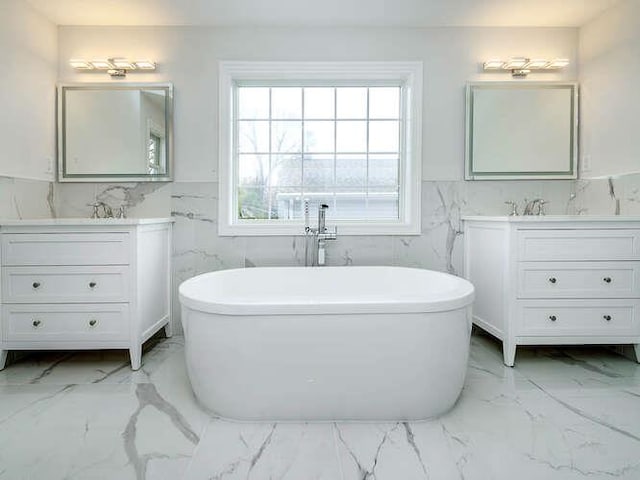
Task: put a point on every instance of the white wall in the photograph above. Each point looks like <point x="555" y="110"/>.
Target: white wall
<point x="28" y="48"/>
<point x="609" y="54"/>
<point x="188" y="57"/>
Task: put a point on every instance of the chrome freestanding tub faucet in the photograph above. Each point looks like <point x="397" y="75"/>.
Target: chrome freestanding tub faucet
<point x="316" y="238"/>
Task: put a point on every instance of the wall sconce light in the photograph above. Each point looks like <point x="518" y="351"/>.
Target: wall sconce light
<point x="116" y="67"/>
<point x="521" y="66"/>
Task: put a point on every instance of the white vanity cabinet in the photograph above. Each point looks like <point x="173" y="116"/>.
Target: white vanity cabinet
<point x="555" y="279"/>
<point x="84" y="284"/>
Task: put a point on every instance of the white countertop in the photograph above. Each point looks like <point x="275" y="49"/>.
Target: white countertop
<point x="81" y="221"/>
<point x="552" y="218"/>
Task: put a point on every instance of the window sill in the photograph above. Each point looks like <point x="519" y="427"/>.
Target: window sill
<point x="344" y="229"/>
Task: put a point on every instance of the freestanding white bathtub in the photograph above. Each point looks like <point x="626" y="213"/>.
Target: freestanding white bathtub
<point x="329" y="343"/>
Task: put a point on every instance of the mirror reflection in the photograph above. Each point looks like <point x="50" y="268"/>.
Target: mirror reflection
<point x="109" y="132"/>
<point x="518" y="131"/>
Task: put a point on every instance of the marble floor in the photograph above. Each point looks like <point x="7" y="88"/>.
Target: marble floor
<point x="569" y="413"/>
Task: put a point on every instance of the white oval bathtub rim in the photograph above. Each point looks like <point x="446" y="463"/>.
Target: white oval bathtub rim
<point x="195" y="293"/>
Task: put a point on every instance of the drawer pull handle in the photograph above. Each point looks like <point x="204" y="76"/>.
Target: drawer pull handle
<point x="606" y="279"/>
<point x="93" y="322"/>
<point x="92" y="284"/>
<point x="552" y="280"/>
<point x="35" y="284"/>
<point x="36" y="323"/>
<point x="552" y="318"/>
<point x="607" y="317"/>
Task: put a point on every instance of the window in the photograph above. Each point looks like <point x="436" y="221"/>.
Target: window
<point x="344" y="134"/>
<point x="153" y="154"/>
<point x="156" y="146"/>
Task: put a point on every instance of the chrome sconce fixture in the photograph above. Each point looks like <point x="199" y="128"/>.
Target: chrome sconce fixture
<point x="521" y="67"/>
<point x="116" y="67"/>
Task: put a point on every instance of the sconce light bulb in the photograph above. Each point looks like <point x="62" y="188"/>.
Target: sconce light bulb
<point x="102" y="64"/>
<point x="145" y="64"/>
<point x="558" y="63"/>
<point x="515" y="62"/>
<point x="493" y="64"/>
<point x="537" y="63"/>
<point x="80" y="64"/>
<point x="122" y="63"/>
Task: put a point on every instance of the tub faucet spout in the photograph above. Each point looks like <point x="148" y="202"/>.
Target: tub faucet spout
<point x="322" y="216"/>
<point x="315" y="238"/>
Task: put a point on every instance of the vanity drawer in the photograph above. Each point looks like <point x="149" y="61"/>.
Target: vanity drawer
<point x="579" y="317"/>
<point x="48" y="324"/>
<point x="585" y="244"/>
<point x="65" y="284"/>
<point x="579" y="280"/>
<point x="65" y="249"/>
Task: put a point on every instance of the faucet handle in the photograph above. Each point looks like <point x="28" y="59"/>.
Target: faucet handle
<point x="108" y="211"/>
<point x="531" y="206"/>
<point x="122" y="212"/>
<point x="514" y="208"/>
<point x="95" y="213"/>
<point x="541" y="205"/>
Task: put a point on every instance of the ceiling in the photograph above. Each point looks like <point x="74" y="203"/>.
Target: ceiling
<point x="313" y="13"/>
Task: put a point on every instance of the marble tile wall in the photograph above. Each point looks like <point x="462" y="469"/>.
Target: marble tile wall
<point x="21" y="198"/>
<point x="198" y="248"/>
<point x="609" y="196"/>
<point x="140" y="199"/>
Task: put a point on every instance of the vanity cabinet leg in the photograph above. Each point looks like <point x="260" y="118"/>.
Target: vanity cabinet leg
<point x="509" y="353"/>
<point x="636" y="348"/>
<point x="3" y="358"/>
<point x="135" y="352"/>
<point x="168" y="329"/>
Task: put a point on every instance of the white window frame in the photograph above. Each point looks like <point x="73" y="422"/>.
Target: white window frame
<point x="409" y="74"/>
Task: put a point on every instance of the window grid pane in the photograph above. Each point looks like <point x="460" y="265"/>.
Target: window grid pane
<point x="366" y="198"/>
<point x="269" y="198"/>
<point x="304" y="153"/>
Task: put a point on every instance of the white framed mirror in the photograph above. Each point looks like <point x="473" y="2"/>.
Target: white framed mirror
<point x="115" y="133"/>
<point x="521" y="130"/>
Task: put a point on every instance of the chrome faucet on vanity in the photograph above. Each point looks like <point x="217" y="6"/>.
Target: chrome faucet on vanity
<point x="534" y="207"/>
<point x="107" y="211"/>
<point x="531" y="207"/>
<point x="316" y="238"/>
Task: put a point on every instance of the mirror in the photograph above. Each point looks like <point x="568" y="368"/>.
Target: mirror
<point x="110" y="132"/>
<point x="521" y="130"/>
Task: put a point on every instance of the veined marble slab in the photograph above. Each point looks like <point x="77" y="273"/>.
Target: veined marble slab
<point x="553" y="218"/>
<point x="39" y="222"/>
<point x="561" y="414"/>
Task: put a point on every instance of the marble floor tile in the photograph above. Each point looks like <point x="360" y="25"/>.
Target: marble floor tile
<point x="561" y="414"/>
<point x="379" y="451"/>
<point x="89" y="366"/>
<point x="234" y="450"/>
<point x="87" y="415"/>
